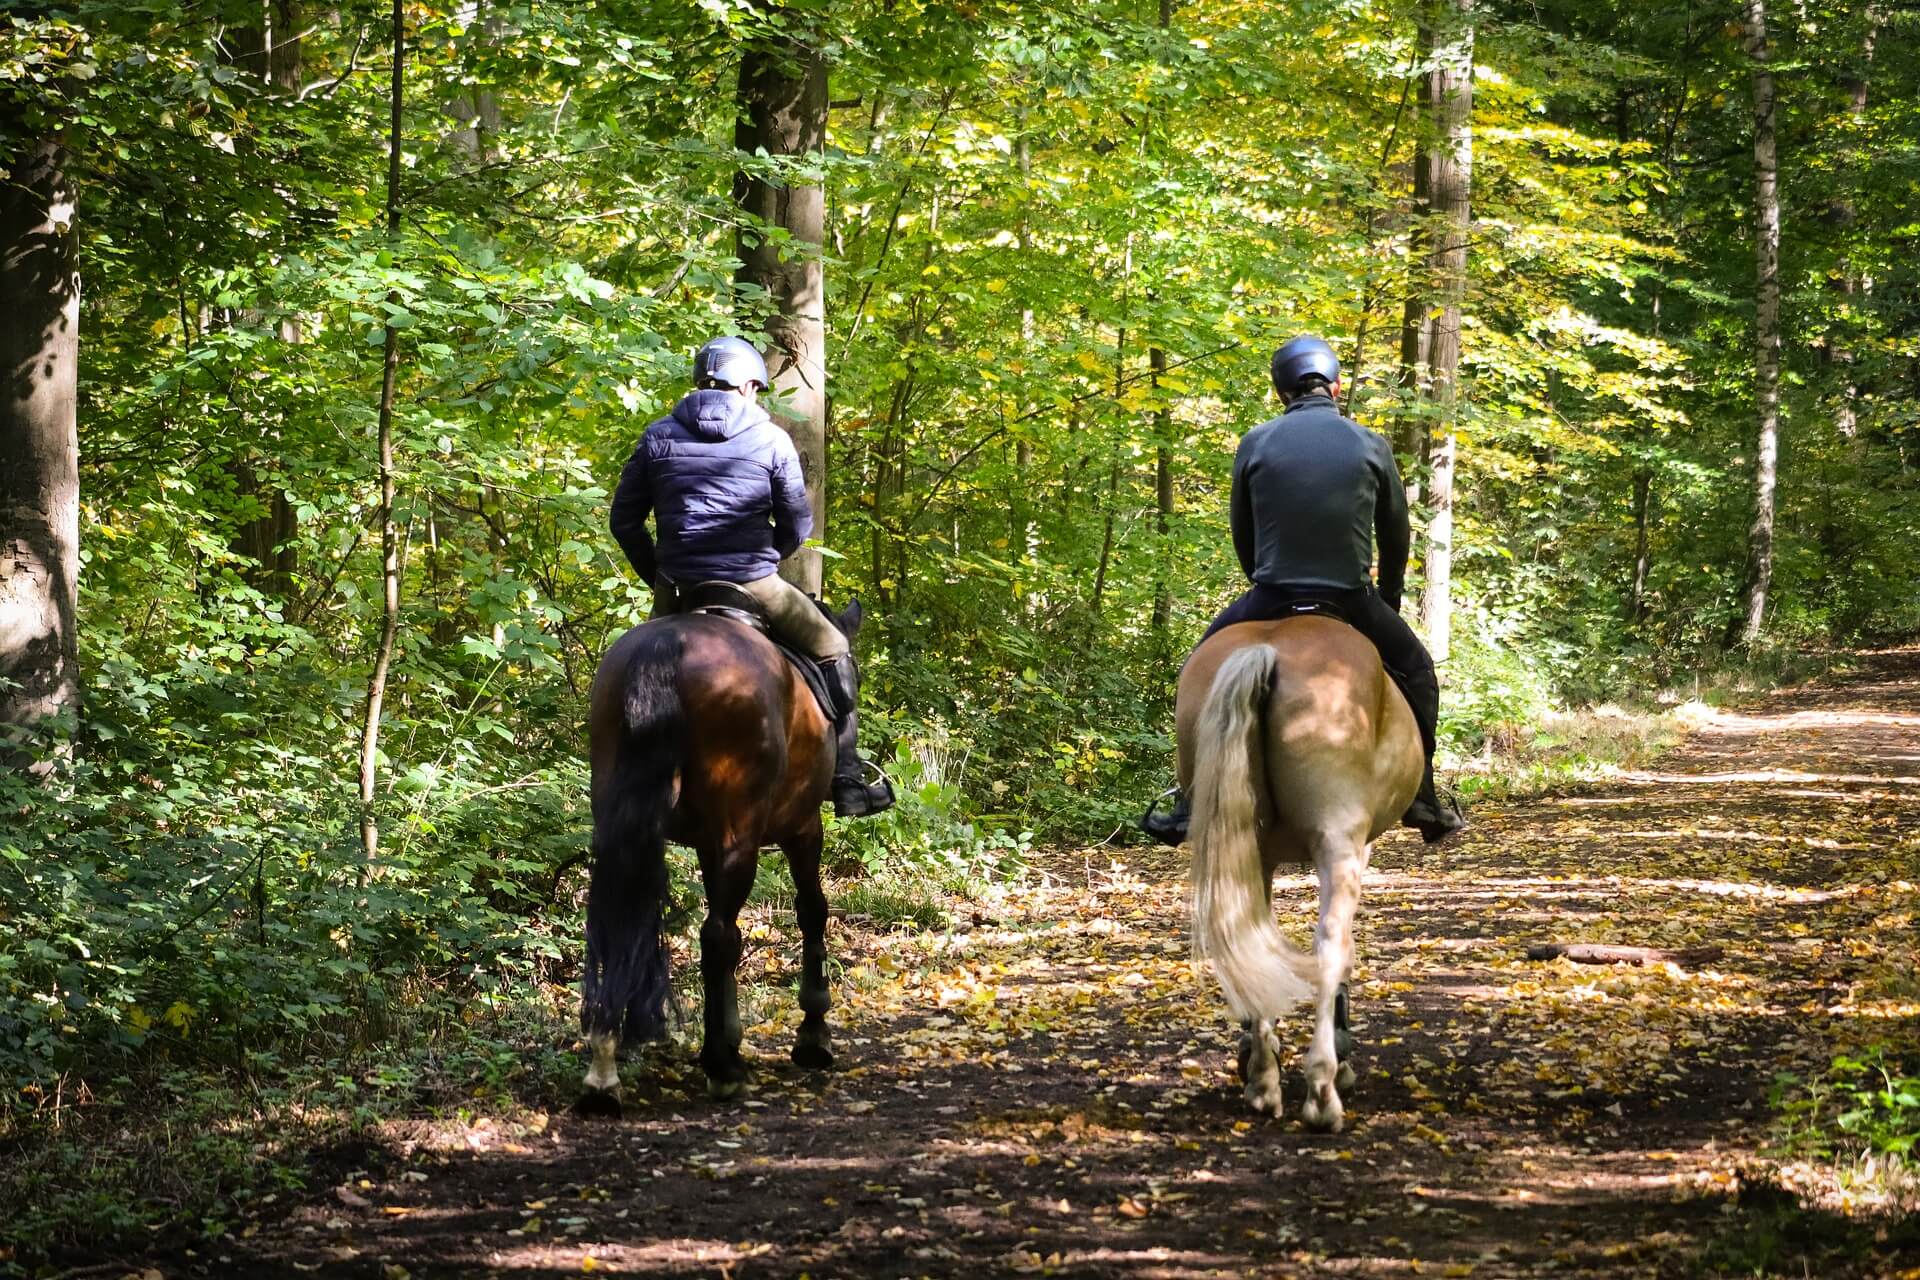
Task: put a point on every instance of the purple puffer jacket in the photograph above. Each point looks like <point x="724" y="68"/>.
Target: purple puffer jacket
<point x="723" y="484"/>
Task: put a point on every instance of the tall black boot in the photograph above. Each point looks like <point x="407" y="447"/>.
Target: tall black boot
<point x="853" y="795"/>
<point x="1169" y="827"/>
<point x="1433" y="816"/>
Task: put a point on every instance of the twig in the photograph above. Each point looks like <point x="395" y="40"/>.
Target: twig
<point x="1607" y="953"/>
<point x="353" y="60"/>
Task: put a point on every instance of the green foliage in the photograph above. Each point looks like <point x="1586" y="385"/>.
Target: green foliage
<point x="927" y="830"/>
<point x="1868" y="1102"/>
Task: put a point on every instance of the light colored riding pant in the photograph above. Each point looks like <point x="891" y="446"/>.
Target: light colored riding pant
<point x="795" y="617"/>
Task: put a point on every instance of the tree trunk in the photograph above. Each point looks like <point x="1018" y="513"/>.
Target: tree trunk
<point x="1163" y="497"/>
<point x="271" y="53"/>
<point x="1852" y="283"/>
<point x="1163" y="462"/>
<point x="783" y="110"/>
<point x="1449" y="107"/>
<point x="1416" y="322"/>
<point x="1026" y="531"/>
<point x="389" y="535"/>
<point x="1113" y="472"/>
<point x="39" y="452"/>
<point x="1642" y="557"/>
<point x="1766" y="322"/>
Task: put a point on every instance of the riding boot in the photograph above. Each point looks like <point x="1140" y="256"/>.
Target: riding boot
<point x="853" y="795"/>
<point x="1434" y="816"/>
<point x="1169" y="828"/>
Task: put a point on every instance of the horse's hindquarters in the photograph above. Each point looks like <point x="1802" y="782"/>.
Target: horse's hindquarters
<point x="1295" y="745"/>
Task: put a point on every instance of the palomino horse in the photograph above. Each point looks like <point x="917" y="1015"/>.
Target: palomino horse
<point x="1296" y="747"/>
<point x="703" y="734"/>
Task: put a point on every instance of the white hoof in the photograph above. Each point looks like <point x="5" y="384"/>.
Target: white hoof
<point x="1268" y="1102"/>
<point x="603" y="1073"/>
<point x="1345" y="1078"/>
<point x="1322" y="1112"/>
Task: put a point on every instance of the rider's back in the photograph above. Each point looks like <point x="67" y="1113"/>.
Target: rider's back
<point x="726" y="490"/>
<point x="1310" y="487"/>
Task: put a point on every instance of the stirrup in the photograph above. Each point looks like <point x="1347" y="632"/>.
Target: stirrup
<point x="859" y="797"/>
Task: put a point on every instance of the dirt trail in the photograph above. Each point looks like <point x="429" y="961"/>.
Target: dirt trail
<point x="1047" y="1088"/>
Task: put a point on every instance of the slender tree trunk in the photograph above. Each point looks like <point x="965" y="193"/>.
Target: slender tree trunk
<point x="1642" y="557"/>
<point x="1162" y="462"/>
<point x="1113" y="472"/>
<point x="1106" y="539"/>
<point x="1766" y="322"/>
<point x="1450" y="109"/>
<point x="1852" y="284"/>
<point x="783" y="109"/>
<point x="389" y="534"/>
<point x="39" y="450"/>
<point x="270" y="52"/>
<point x="1416" y="320"/>
<point x="1163" y="495"/>
<point x="1025" y="529"/>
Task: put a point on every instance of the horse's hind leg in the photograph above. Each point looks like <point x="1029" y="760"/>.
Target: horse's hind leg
<point x="1339" y="863"/>
<point x="814" y="1047"/>
<point x="1343" y="1038"/>
<point x="1260" y="1065"/>
<point x="728" y="874"/>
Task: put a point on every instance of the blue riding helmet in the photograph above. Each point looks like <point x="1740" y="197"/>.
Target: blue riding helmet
<point x="729" y="362"/>
<point x="1302" y="360"/>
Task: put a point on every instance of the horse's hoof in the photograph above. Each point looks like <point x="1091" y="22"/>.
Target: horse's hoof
<point x="1344" y="1078"/>
<point x="812" y="1055"/>
<point x="727" y="1090"/>
<point x="1323" y="1114"/>
<point x="1268" y="1101"/>
<point x="598" y="1104"/>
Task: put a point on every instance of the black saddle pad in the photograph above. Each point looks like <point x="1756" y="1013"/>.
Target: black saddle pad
<point x="810" y="672"/>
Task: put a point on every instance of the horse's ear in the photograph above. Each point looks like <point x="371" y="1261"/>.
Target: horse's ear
<point x="850" y="619"/>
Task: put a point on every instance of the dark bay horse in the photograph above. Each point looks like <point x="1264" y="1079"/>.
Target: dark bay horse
<point x="703" y="734"/>
<point x="1296" y="747"/>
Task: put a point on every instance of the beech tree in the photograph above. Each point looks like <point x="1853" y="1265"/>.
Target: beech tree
<point x="39" y="449"/>
<point x="781" y="134"/>
<point x="1766" y="321"/>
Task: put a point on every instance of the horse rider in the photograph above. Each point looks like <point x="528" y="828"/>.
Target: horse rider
<point x="724" y="486"/>
<point x="1311" y="489"/>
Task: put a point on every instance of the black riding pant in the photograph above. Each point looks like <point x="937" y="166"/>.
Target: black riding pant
<point x="1401" y="652"/>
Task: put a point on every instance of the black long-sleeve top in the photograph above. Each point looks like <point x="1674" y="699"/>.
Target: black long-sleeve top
<point x="1311" y="490"/>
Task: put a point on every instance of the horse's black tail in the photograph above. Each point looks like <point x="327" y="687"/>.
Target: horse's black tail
<point x="626" y="984"/>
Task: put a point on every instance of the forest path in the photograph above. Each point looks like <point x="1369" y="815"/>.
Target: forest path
<point x="1048" y="1088"/>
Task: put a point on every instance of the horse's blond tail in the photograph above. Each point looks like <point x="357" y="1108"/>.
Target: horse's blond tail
<point x="1233" y="924"/>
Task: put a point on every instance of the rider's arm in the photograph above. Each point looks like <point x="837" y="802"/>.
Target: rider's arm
<point x="632" y="502"/>
<point x="1241" y="510"/>
<point x="792" y="513"/>
<point x="1390" y="523"/>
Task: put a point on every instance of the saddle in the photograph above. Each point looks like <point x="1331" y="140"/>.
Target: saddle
<point x="735" y="603"/>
